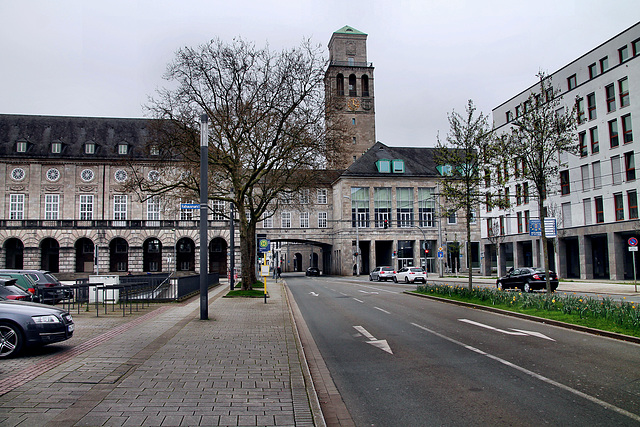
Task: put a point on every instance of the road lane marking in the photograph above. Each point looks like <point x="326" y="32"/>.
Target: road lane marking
<point x="314" y="294"/>
<point x="359" y="300"/>
<point x="519" y="332"/>
<point x="534" y="375"/>
<point x="367" y="292"/>
<point x="379" y="289"/>
<point x="381" y="344"/>
<point x="384" y="311"/>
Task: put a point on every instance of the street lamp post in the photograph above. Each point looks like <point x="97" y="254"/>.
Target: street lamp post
<point x="204" y="196"/>
<point x="232" y="243"/>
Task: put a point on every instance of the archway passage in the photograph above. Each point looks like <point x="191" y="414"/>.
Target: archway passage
<point x="152" y="255"/>
<point x="297" y="262"/>
<point x="84" y="255"/>
<point x="118" y="255"/>
<point x="14" y="254"/>
<point x="50" y="255"/>
<point x="218" y="256"/>
<point x="185" y="255"/>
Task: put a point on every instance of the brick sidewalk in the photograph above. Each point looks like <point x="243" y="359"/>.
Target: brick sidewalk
<point x="165" y="367"/>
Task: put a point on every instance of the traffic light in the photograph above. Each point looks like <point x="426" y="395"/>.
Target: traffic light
<point x="386" y="223"/>
<point x="426" y="252"/>
<point x="394" y="254"/>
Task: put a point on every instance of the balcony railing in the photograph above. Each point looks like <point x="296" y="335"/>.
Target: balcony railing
<point x="101" y="224"/>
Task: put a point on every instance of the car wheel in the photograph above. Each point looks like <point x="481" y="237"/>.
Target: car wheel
<point x="395" y="280"/>
<point x="406" y="279"/>
<point x="500" y="286"/>
<point x="10" y="340"/>
<point x="526" y="287"/>
<point x="370" y="278"/>
<point x="379" y="279"/>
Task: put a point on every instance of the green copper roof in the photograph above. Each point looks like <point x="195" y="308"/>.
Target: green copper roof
<point x="349" y="30"/>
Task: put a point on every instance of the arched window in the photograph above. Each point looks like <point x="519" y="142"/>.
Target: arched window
<point x="340" y="84"/>
<point x="352" y="85"/>
<point x="365" y="85"/>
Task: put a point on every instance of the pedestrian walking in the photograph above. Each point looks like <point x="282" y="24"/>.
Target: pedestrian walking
<point x="279" y="272"/>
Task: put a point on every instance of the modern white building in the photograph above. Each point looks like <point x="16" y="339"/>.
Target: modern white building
<point x="595" y="201"/>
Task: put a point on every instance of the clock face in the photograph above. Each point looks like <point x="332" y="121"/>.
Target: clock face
<point x="353" y="103"/>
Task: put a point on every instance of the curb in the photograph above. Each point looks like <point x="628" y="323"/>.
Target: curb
<point x="593" y="331"/>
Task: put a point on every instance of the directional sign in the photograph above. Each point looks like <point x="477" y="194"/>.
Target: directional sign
<point x="633" y="241"/>
<point x="264" y="245"/>
<point x="520" y="332"/>
<point x="440" y="254"/>
<point x="535" y="227"/>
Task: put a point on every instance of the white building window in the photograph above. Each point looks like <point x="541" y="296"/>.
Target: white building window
<point x="586" y="178"/>
<point x="616" y="171"/>
<point x="187" y="214"/>
<point x="51" y="206"/>
<point x="86" y="207"/>
<point x="89" y="148"/>
<point x="123" y="148"/>
<point x="218" y="210"/>
<point x="586" y="204"/>
<point x="322" y="196"/>
<point x="120" y="207"/>
<point x="304" y="219"/>
<point x="322" y="220"/>
<point x="304" y="196"/>
<point x="285" y="220"/>
<point x="267" y="222"/>
<point x="16" y="206"/>
<point x="566" y="215"/>
<point x="597" y="177"/>
<point x="153" y="208"/>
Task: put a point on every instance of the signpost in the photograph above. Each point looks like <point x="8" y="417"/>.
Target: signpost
<point x="550" y="230"/>
<point x="633" y="248"/>
<point x="264" y="246"/>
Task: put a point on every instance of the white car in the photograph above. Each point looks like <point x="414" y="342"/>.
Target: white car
<point x="410" y="275"/>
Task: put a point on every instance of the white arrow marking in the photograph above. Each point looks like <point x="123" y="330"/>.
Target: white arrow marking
<point x="518" y="332"/>
<point x="534" y="334"/>
<point x="313" y="293"/>
<point x="381" y="344"/>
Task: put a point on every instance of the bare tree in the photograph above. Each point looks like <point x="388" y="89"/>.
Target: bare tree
<point x="467" y="149"/>
<point x="537" y="137"/>
<point x="267" y="132"/>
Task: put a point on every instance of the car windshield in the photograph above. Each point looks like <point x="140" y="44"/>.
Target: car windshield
<point x="51" y="278"/>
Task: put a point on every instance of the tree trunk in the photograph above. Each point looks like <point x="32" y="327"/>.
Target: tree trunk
<point x="248" y="248"/>
<point x="468" y="250"/>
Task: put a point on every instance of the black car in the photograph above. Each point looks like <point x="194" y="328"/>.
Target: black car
<point x="26" y="324"/>
<point x="312" y="271"/>
<point x="9" y="290"/>
<point x="527" y="279"/>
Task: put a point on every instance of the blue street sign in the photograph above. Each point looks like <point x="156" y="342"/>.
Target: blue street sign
<point x="440" y="254"/>
<point x="189" y="205"/>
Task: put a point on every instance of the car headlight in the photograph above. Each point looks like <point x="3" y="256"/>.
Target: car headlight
<point x="46" y="319"/>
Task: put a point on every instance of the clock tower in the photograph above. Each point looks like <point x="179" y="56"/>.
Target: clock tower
<point x="349" y="95"/>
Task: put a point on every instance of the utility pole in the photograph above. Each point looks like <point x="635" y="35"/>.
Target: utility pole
<point x="204" y="210"/>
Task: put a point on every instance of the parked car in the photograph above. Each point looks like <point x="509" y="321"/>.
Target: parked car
<point x="382" y="273"/>
<point x="27" y="324"/>
<point x="23" y="281"/>
<point x="410" y="275"/>
<point x="527" y="279"/>
<point x="9" y="290"/>
<point x="43" y="280"/>
<point x="313" y="271"/>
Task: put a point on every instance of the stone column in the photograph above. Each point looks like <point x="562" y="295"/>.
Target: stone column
<point x="616" y="248"/>
<point x="586" y="257"/>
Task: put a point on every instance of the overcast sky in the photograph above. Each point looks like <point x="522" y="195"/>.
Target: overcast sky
<point x="105" y="58"/>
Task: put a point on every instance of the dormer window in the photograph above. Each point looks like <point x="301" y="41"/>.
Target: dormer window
<point x="123" y="148"/>
<point x="154" y="150"/>
<point x="21" y="146"/>
<point x="384" y="166"/>
<point x="398" y="166"/>
<point x="90" y="147"/>
<point x="56" y="147"/>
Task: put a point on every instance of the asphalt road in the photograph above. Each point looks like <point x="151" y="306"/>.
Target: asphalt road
<point x="403" y="360"/>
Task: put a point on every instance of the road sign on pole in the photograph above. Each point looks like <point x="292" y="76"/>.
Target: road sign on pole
<point x="264" y="245"/>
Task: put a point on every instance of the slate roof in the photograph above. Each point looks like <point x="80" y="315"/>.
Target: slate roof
<point x="418" y="162"/>
<point x="40" y="131"/>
